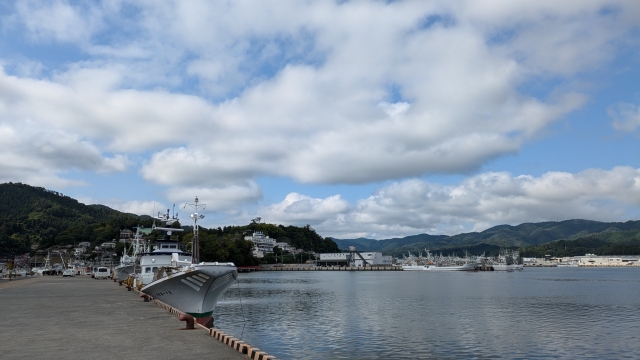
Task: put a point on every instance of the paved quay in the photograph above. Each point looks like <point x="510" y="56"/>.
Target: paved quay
<point x="81" y="318"/>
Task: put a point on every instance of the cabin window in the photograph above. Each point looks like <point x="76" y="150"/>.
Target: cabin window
<point x="147" y="270"/>
<point x="155" y="268"/>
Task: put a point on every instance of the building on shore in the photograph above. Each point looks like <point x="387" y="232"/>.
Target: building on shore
<point x="588" y="260"/>
<point x="608" y="260"/>
<point x="262" y="244"/>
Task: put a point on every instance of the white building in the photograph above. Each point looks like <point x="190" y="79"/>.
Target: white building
<point x="610" y="260"/>
<point x="342" y="259"/>
<point x="285" y="246"/>
<point x="261" y="244"/>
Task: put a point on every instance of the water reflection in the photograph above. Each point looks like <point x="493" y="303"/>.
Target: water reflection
<point x="537" y="313"/>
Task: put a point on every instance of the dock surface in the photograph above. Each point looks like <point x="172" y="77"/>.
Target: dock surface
<point x="52" y="317"/>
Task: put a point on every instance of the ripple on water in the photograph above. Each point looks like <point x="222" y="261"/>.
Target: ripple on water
<point x="533" y="314"/>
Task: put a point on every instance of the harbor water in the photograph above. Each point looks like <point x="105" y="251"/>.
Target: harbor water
<point x="535" y="313"/>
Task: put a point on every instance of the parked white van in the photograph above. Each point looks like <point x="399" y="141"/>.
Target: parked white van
<point x="102" y="273"/>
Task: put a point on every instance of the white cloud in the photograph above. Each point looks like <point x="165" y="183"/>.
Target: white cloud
<point x="301" y="209"/>
<point x="85" y="101"/>
<point x="625" y="116"/>
<point x="38" y="155"/>
<point x="220" y="93"/>
<point x="150" y="208"/>
<point x="59" y="20"/>
<point x="415" y="206"/>
<point x="226" y="198"/>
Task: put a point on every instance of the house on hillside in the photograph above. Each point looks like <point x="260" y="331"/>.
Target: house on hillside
<point x="262" y="244"/>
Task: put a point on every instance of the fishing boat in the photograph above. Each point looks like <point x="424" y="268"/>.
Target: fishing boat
<point x="185" y="283"/>
<point x="437" y="263"/>
<point x="46" y="269"/>
<point x="508" y="260"/>
<point x="566" y="265"/>
<point x="128" y="262"/>
<point x="463" y="267"/>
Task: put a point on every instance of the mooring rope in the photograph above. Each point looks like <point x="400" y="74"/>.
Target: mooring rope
<point x="244" y="321"/>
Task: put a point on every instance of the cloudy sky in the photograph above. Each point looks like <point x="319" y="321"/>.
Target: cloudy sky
<point x="360" y="118"/>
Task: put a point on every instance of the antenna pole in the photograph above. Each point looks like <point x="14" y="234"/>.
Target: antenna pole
<point x="195" y="246"/>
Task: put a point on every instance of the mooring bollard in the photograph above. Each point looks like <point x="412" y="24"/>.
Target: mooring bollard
<point x="188" y="319"/>
<point x="119" y="283"/>
<point x="128" y="288"/>
<point x="145" y="297"/>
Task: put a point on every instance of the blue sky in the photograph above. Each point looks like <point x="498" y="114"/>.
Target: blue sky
<point x="360" y="118"/>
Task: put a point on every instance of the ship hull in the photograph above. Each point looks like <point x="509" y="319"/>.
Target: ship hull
<point x="195" y="290"/>
<point x="121" y="273"/>
<point x="504" y="267"/>
<point x="465" y="267"/>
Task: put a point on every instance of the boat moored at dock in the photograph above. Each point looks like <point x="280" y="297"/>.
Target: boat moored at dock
<point x="185" y="283"/>
<point x="128" y="262"/>
<point x="463" y="267"/>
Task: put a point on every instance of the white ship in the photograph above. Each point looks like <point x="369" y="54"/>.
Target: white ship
<point x="433" y="262"/>
<point x="463" y="267"/>
<point x="46" y="269"/>
<point x="508" y="260"/>
<point x="566" y="265"/>
<point x="128" y="262"/>
<point x="180" y="280"/>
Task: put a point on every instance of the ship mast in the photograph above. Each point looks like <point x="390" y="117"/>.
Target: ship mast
<point x="195" y="246"/>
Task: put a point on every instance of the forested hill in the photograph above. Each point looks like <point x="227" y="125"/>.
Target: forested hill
<point x="34" y="215"/>
<point x="23" y="202"/>
<point x="528" y="235"/>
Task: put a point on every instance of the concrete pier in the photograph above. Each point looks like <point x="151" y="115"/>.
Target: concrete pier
<point x="81" y="318"/>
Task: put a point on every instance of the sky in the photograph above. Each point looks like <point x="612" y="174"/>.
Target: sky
<point x="373" y="119"/>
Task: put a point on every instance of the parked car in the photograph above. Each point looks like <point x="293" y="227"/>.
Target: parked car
<point x="69" y="272"/>
<point x="102" y="273"/>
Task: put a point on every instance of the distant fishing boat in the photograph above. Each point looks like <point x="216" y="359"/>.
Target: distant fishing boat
<point x="463" y="267"/>
<point x="128" y="262"/>
<point x="565" y="265"/>
<point x="46" y="269"/>
<point x="508" y="261"/>
<point x="437" y="263"/>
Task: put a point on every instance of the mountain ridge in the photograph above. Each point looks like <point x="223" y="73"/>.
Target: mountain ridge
<point x="522" y="235"/>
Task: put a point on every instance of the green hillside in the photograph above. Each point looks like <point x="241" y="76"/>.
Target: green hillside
<point x="37" y="216"/>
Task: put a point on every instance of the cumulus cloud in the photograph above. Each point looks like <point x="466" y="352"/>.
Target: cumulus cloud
<point x="36" y="155"/>
<point x="301" y="209"/>
<point x="416" y="206"/>
<point x="338" y="93"/>
<point x="214" y="95"/>
<point x="58" y="20"/>
<point x="226" y="198"/>
<point x="625" y="116"/>
<point x="138" y="207"/>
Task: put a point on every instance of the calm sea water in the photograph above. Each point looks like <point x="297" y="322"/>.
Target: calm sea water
<point x="535" y="313"/>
